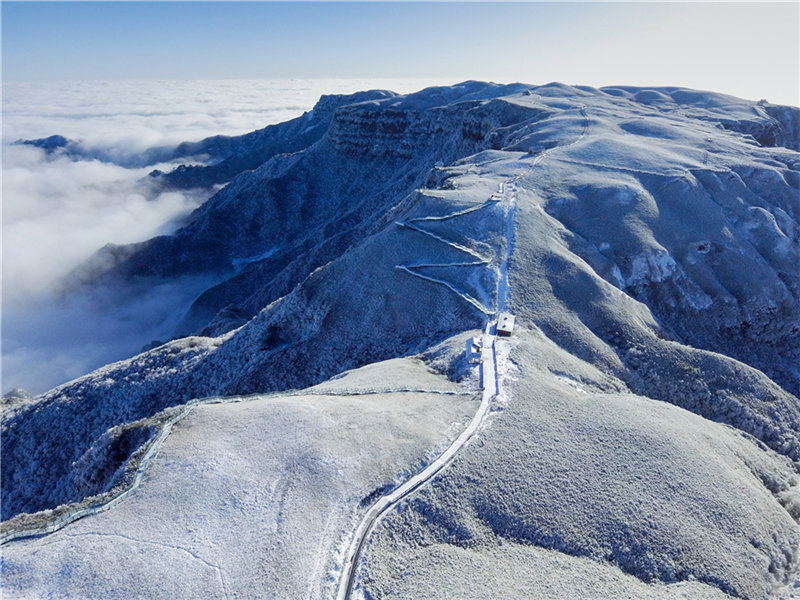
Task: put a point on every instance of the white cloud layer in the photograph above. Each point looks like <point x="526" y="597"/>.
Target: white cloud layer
<point x="139" y="114"/>
<point x="57" y="213"/>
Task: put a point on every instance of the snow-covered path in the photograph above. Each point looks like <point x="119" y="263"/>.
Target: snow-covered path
<point x="506" y="195"/>
<point x="480" y="259"/>
<point x="444" y="240"/>
<point x="459" y="213"/>
<point x="476" y="303"/>
<point x="365" y="527"/>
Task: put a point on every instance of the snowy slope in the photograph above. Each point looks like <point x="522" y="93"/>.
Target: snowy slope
<point x="250" y="498"/>
<point x="573" y="467"/>
<point x="651" y="239"/>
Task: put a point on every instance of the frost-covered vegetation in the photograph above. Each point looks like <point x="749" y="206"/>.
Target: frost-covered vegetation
<point x="650" y="425"/>
<point x="253" y="496"/>
<point x="650" y="488"/>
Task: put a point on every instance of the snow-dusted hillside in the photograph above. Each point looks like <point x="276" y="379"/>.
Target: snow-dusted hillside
<point x="242" y="490"/>
<point x="648" y="241"/>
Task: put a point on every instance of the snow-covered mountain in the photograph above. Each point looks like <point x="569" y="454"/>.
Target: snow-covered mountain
<point x="647" y="426"/>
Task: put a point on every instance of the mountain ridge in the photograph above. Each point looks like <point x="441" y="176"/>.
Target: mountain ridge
<point x="651" y="243"/>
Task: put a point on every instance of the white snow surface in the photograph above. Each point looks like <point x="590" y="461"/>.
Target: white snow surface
<point x="507" y="570"/>
<point x="636" y="485"/>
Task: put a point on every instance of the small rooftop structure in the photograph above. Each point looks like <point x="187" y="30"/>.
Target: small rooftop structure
<point x="505" y="324"/>
<point x="474" y="348"/>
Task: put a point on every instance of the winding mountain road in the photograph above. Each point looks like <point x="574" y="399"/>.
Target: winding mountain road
<point x="489" y="382"/>
<point x="507" y="194"/>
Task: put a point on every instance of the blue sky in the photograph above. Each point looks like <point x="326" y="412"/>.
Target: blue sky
<point x="750" y="50"/>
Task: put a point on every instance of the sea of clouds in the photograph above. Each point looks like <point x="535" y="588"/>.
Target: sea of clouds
<point x="57" y="212"/>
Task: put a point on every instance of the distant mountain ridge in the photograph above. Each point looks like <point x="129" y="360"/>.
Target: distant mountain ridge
<point x="223" y="156"/>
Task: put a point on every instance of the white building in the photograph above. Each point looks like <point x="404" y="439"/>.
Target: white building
<point x="474" y="349"/>
<point x="505" y="324"/>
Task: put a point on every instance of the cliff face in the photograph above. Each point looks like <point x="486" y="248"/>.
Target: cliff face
<point x="646" y="239"/>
